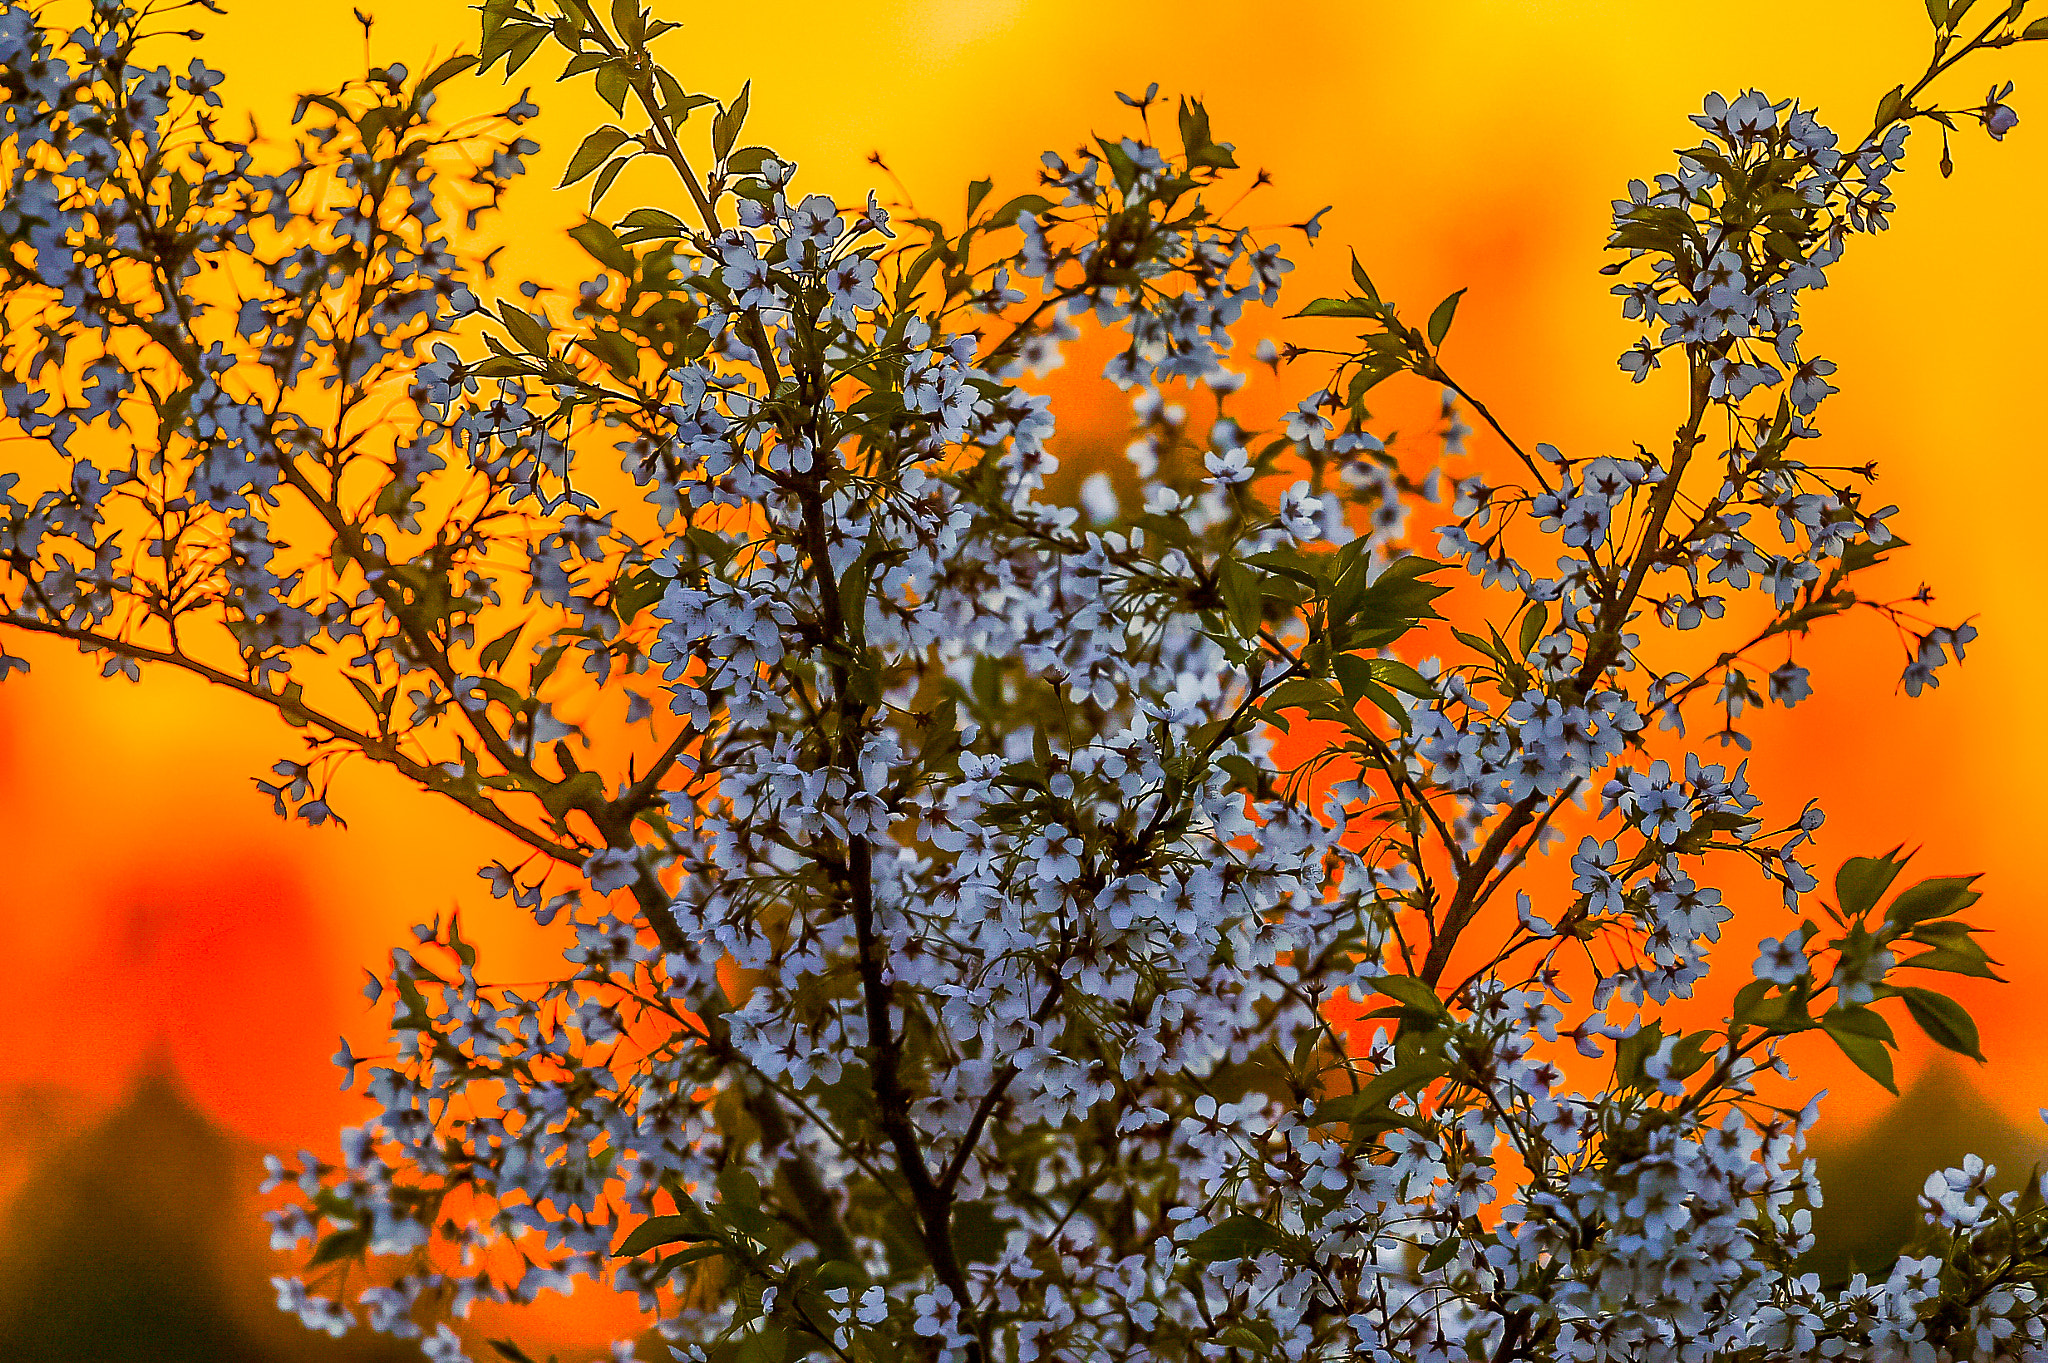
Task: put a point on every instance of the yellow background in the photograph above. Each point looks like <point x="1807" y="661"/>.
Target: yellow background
<point x="152" y="907"/>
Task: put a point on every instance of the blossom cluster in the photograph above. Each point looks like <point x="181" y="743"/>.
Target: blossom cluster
<point x="959" y="963"/>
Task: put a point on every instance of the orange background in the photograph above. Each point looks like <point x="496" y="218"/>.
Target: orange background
<point x="151" y="906"/>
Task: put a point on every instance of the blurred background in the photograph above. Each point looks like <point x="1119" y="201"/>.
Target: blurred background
<point x="177" y="963"/>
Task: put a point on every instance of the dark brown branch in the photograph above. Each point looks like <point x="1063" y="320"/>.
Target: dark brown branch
<point x="373" y="746"/>
<point x="1604" y="649"/>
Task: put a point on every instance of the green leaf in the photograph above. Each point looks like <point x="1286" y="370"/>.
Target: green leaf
<point x="768" y="1344"/>
<point x="1944" y="932"/>
<point x="1244" y="774"/>
<point x="1862" y="1020"/>
<point x="492" y="656"/>
<point x="592" y="153"/>
<point x="327" y="102"/>
<point x="1954" y="950"/>
<point x="602" y="245"/>
<point x="725" y="128"/>
<point x="181" y="191"/>
<point x="1302" y="693"/>
<point x="1292" y="565"/>
<point x="394" y="500"/>
<point x="1440" y="320"/>
<point x="1631" y="1051"/>
<point x="463" y="950"/>
<point x="1942" y="1018"/>
<point x="1534" y="625"/>
<point x="1007" y="215"/>
<point x="1861" y="554"/>
<point x="737" y="1187"/>
<point x="1445" y="1251"/>
<point x="678" y="104"/>
<point x="580" y="791"/>
<point x="521" y="47"/>
<point x="651" y="224"/>
<point x="544" y="666"/>
<point x="1757" y="1006"/>
<point x="1748" y="1000"/>
<point x="669" y="1263"/>
<point x="1364" y="282"/>
<point x="1121" y="167"/>
<point x="739" y="1201"/>
<point x="508" y="1350"/>
<point x="710" y="544"/>
<point x="1408" y="1075"/>
<point x="629" y="22"/>
<point x="1408" y="568"/>
<point x="1891" y="107"/>
<point x="529" y="331"/>
<point x="1196" y="144"/>
<point x="1241" y="596"/>
<point x="839" y="1273"/>
<point x="1413" y="993"/>
<point x="447" y="70"/>
<point x="1369" y="1118"/>
<point x="290" y="707"/>
<point x="378" y="707"/>
<point x="978" y="1233"/>
<point x="2031" y="1198"/>
<point x="1194" y="125"/>
<point x="1402" y="677"/>
<point x="502" y="29"/>
<point x="496" y="367"/>
<point x="662" y="1230"/>
<point x="1955" y="963"/>
<point x="2035" y="32"/>
<point x="1868" y="1053"/>
<point x="635" y="592"/>
<point x="1692" y="1052"/>
<point x="615" y="352"/>
<point x="1937" y="898"/>
<point x="341" y="1244"/>
<point x="1398" y="594"/>
<point x="1386" y="703"/>
<point x="1354" y="674"/>
<point x="605" y="178"/>
<point x="1340" y="307"/>
<point x="1862" y="881"/>
<point x="853" y="594"/>
<point x="1237" y="1237"/>
<point x="614" y="83"/>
